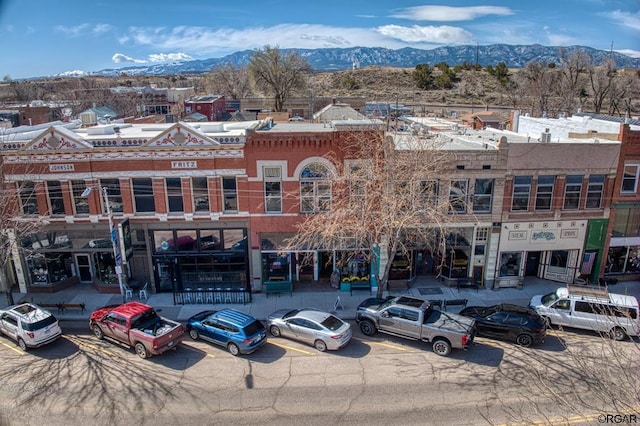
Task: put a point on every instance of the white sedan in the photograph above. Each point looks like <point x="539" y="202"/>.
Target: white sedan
<point x="321" y="329"/>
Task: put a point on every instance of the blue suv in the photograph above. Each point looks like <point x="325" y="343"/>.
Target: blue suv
<point x="238" y="332"/>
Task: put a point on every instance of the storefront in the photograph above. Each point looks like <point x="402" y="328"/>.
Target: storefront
<point x="189" y="260"/>
<point x="550" y="250"/>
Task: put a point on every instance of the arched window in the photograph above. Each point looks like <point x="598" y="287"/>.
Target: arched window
<point x="315" y="189"/>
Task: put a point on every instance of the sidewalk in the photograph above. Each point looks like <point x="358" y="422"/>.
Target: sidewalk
<point x="423" y="287"/>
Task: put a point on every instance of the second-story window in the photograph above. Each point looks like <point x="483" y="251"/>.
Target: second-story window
<point x="200" y="194"/>
<point x="458" y="196"/>
<point x="80" y="203"/>
<point x="544" y="192"/>
<point x="143" y="195"/>
<point x="521" y="193"/>
<point x="174" y="195"/>
<point x="483" y="195"/>
<point x="572" y="190"/>
<point x="315" y="189"/>
<point x="594" y="192"/>
<point x="54" y="191"/>
<point x="113" y="193"/>
<point x="630" y="179"/>
<point x="230" y="194"/>
<point x="28" y="197"/>
<point x="272" y="189"/>
<point x="428" y="192"/>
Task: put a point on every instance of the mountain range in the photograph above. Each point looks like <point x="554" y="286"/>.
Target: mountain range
<point x="514" y="56"/>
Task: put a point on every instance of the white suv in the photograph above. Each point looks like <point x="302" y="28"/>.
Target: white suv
<point x="29" y="325"/>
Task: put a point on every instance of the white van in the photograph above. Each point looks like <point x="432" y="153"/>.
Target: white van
<point x="590" y="309"/>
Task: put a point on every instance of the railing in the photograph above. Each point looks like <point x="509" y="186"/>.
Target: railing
<point x="211" y="296"/>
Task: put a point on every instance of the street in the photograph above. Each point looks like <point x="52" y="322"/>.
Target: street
<point x="381" y="380"/>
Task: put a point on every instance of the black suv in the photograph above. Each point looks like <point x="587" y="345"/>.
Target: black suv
<point x="508" y="322"/>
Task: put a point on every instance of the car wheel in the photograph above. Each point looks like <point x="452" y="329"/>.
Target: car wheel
<point x="367" y="328"/>
<point x="441" y="347"/>
<point x="233" y="349"/>
<point x="22" y="345"/>
<point x="274" y="330"/>
<point x="320" y="345"/>
<point x="193" y="333"/>
<point x="524" y="340"/>
<point x="618" y="334"/>
<point x="141" y="350"/>
<point x="97" y="331"/>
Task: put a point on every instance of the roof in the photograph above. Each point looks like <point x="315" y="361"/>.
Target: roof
<point x="337" y="111"/>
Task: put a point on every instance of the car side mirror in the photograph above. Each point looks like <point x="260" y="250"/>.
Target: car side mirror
<point x="385" y="314"/>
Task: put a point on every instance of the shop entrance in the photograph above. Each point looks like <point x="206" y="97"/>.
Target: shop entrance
<point x="83" y="261"/>
<point x="165" y="276"/>
<point x="533" y="261"/>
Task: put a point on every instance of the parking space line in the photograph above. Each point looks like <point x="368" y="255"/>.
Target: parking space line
<point x="13" y="348"/>
<point x="192" y="348"/>
<point x="290" y="347"/>
<point x="88" y="345"/>
<point x="387" y="345"/>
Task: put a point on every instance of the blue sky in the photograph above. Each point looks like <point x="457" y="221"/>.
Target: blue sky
<point x="50" y="37"/>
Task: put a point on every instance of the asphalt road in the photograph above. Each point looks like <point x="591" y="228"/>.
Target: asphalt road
<point x="374" y="381"/>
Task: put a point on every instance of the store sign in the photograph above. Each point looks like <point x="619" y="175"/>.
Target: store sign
<point x="569" y="233"/>
<point x="517" y="235"/>
<point x="61" y="167"/>
<point x="184" y="164"/>
<point x="542" y="236"/>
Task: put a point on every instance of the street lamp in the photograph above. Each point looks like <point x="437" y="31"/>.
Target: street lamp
<point x="114" y="237"/>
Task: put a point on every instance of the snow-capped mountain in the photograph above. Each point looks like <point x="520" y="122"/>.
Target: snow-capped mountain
<point x="514" y="56"/>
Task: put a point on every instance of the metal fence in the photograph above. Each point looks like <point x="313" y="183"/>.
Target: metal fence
<point x="212" y="296"/>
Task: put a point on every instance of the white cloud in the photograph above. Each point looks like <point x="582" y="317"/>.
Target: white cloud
<point x="419" y="34"/>
<point x="168" y="57"/>
<point x="119" y="58"/>
<point x="448" y="13"/>
<point x="625" y="19"/>
<point x="559" y="39"/>
<point x="82" y="29"/>
<point x="630" y="52"/>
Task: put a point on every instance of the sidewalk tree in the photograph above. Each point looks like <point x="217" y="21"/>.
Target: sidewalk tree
<point x="278" y="73"/>
<point x="382" y="200"/>
<point x="13" y="224"/>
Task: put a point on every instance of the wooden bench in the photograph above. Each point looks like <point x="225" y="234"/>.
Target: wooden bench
<point x="360" y="285"/>
<point x="465" y="283"/>
<point x="64" y="306"/>
<point x="271" y="287"/>
<point x="455" y="302"/>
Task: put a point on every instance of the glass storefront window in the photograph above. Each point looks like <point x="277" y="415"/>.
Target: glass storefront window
<point x="105" y="267"/>
<point x="558" y="261"/>
<point x="47" y="268"/>
<point x="163" y="241"/>
<point x="275" y="267"/>
<point x="623" y="260"/>
<point x="510" y="264"/>
<point x="187" y="240"/>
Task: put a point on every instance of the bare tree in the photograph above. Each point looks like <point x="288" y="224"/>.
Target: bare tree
<point x="278" y="73"/>
<point x="601" y="79"/>
<point x="538" y="80"/>
<point x="572" y="79"/>
<point x="384" y="200"/>
<point x="13" y="224"/>
<point x="229" y="80"/>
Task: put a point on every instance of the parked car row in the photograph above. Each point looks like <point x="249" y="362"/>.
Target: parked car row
<point x="139" y="326"/>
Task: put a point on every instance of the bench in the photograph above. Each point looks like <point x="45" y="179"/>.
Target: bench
<point x="465" y="283"/>
<point x="63" y="306"/>
<point x="360" y="285"/>
<point x="455" y="302"/>
<point x="271" y="287"/>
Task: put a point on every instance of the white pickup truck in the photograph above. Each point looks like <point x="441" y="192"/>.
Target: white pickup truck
<point x="413" y="318"/>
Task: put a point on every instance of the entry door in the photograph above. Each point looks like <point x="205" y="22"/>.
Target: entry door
<point x="164" y="280"/>
<point x="84" y="268"/>
<point x="531" y="267"/>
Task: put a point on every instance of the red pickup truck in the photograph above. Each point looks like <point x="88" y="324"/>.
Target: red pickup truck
<point x="138" y="326"/>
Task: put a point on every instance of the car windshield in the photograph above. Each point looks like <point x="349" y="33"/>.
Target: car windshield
<point x="253" y="328"/>
<point x="548" y="299"/>
<point x="332" y="323"/>
<point x="33" y="326"/>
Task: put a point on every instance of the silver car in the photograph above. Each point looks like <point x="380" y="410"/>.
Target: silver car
<point x="321" y="329"/>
